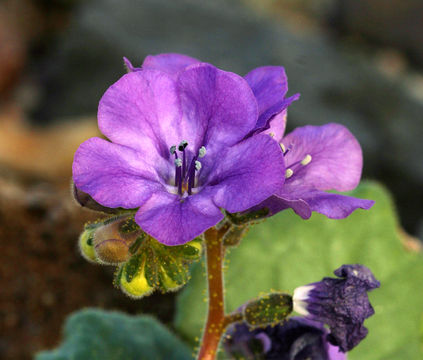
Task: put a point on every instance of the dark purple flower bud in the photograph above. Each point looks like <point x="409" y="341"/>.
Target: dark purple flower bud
<point x="341" y="303"/>
<point x="295" y="339"/>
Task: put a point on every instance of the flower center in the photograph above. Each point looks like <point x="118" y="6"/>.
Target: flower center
<point x="296" y="166"/>
<point x="185" y="175"/>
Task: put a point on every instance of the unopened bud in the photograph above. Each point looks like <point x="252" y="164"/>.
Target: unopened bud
<point x="267" y="310"/>
<point x="132" y="279"/>
<point x="86" y="245"/>
<point x="155" y="266"/>
<point x="113" y="240"/>
<point x="172" y="273"/>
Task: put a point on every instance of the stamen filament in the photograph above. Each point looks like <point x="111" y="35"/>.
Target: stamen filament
<point x="179" y="175"/>
<point x="184" y="163"/>
<point x="191" y="175"/>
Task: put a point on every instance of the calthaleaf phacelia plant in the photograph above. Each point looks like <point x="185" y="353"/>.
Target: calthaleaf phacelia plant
<point x="194" y="156"/>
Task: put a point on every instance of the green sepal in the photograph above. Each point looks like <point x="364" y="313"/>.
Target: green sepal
<point x="151" y="268"/>
<point x="129" y="226"/>
<point x="133" y="266"/>
<point x="136" y="245"/>
<point x="174" y="269"/>
<point x="190" y="251"/>
<point x="235" y="234"/>
<point x="245" y="218"/>
<point x="269" y="309"/>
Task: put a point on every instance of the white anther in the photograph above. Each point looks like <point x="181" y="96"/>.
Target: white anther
<point x="178" y="162"/>
<point x="197" y="165"/>
<point x="288" y="173"/>
<point x="306" y="160"/>
<point x="173" y="149"/>
<point x="282" y="147"/>
<point x="201" y="152"/>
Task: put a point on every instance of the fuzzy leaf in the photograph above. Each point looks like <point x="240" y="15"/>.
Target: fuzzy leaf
<point x="101" y="335"/>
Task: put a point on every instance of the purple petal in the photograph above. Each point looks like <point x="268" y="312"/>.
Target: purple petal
<point x="141" y="110"/>
<point x="219" y="107"/>
<point x="270" y="85"/>
<point x="336" y="158"/>
<point x="277" y="126"/>
<point x="335" y="206"/>
<point x="276" y="203"/>
<point x="173" y="221"/>
<point x="170" y="63"/>
<point x="129" y="66"/>
<point x="304" y="201"/>
<point x="247" y="173"/>
<point x="114" y="175"/>
<point x="358" y="274"/>
<point x="334" y="353"/>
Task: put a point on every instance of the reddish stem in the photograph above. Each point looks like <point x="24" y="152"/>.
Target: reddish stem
<point x="216" y="323"/>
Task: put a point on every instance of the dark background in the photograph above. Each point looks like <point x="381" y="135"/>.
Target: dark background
<point x="355" y="62"/>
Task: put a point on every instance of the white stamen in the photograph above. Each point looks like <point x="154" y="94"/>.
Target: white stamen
<point x="178" y="162"/>
<point x="282" y="147"/>
<point x="197" y="165"/>
<point x="306" y="160"/>
<point x="201" y="152"/>
<point x="173" y="149"/>
<point x="288" y="173"/>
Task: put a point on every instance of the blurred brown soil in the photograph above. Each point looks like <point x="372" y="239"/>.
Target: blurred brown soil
<point x="43" y="277"/>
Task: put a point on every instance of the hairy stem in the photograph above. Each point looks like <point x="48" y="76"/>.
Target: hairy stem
<point x="215" y="324"/>
<point x="217" y="321"/>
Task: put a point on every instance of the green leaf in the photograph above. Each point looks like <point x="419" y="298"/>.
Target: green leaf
<point x="93" y="334"/>
<point x="285" y="252"/>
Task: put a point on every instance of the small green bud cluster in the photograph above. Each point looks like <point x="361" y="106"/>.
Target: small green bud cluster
<point x="144" y="264"/>
<point x="269" y="309"/>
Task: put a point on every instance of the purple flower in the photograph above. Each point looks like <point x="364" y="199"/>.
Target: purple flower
<point x="182" y="147"/>
<point x="342" y="304"/>
<point x="316" y="158"/>
<point x="295" y="339"/>
<point x="319" y="158"/>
